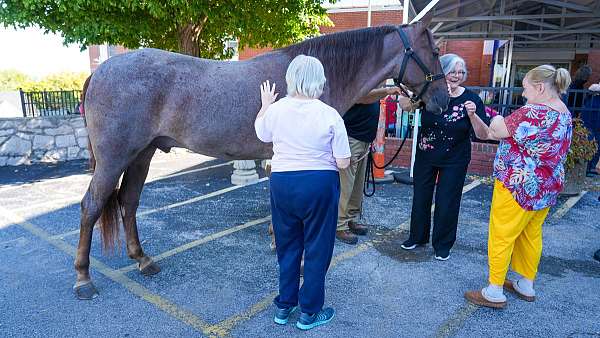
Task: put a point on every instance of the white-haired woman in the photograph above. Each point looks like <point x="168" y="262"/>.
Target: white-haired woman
<point x="529" y="172"/>
<point x="443" y="155"/>
<point x="309" y="145"/>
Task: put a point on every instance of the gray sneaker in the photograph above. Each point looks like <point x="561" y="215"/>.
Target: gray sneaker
<point x="307" y="322"/>
<point x="282" y="315"/>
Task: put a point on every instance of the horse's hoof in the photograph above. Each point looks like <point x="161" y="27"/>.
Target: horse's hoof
<point x="150" y="269"/>
<point x="86" y="291"/>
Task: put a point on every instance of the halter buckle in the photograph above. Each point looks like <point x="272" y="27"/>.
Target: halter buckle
<point x="429" y="77"/>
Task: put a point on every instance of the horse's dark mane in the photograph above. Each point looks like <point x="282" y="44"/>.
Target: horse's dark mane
<point x="343" y="53"/>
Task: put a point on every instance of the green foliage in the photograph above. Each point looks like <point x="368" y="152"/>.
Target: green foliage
<point x="196" y="27"/>
<point x="13" y="80"/>
<point x="582" y="148"/>
<point x="58" y="81"/>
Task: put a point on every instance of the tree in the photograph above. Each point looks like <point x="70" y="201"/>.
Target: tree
<point x="57" y="82"/>
<point x="193" y="27"/>
<point x="12" y="80"/>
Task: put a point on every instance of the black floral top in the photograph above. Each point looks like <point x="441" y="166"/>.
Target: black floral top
<point x="446" y="139"/>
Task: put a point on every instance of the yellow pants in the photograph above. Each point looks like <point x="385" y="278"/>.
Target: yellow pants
<point x="515" y="237"/>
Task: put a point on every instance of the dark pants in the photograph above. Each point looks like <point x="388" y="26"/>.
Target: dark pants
<point x="304" y="205"/>
<point x="592" y="163"/>
<point x="447" y="203"/>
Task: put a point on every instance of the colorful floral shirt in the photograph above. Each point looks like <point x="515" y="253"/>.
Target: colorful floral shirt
<point x="530" y="163"/>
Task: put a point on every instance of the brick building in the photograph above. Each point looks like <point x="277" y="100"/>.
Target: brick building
<point x="99" y="54"/>
<point x="357" y="17"/>
<point x="477" y="52"/>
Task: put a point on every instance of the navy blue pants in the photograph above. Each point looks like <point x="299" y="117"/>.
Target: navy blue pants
<point x="304" y="205"/>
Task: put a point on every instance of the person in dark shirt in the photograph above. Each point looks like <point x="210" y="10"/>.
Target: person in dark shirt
<point x="361" y="125"/>
<point x="575" y="99"/>
<point x="443" y="155"/>
<point x="591" y="119"/>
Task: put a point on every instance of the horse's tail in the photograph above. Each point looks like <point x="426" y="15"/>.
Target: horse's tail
<point x="109" y="219"/>
<point x="109" y="222"/>
<point x="82" y="111"/>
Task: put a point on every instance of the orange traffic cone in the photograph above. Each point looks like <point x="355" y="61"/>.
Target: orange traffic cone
<point x="378" y="148"/>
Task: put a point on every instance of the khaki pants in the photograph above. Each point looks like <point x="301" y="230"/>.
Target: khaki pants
<point x="352" y="180"/>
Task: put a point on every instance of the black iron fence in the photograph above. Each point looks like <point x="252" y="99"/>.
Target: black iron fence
<point x="503" y="101"/>
<point x="50" y="103"/>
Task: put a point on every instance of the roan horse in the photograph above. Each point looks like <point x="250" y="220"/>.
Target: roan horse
<point x="148" y="99"/>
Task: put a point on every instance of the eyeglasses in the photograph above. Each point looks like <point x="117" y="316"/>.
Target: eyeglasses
<point x="459" y="73"/>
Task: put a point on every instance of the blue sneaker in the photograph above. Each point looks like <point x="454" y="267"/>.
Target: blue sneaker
<point x="282" y="315"/>
<point x="307" y="322"/>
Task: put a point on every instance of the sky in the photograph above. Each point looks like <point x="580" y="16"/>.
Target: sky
<point x="37" y="54"/>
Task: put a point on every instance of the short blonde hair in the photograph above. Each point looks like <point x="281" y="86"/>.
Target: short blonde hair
<point x="558" y="79"/>
<point x="305" y="76"/>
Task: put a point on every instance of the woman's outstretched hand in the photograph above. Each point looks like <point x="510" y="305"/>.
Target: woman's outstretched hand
<point x="267" y="94"/>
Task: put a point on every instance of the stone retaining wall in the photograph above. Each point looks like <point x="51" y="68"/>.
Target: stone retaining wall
<point x="42" y="139"/>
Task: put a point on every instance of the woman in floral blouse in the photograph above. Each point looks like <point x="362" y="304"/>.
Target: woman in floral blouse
<point x="443" y="155"/>
<point x="529" y="174"/>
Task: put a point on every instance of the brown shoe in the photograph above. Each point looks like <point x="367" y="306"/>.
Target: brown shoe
<point x="509" y="286"/>
<point x="477" y="298"/>
<point x="357" y="228"/>
<point x="346" y="236"/>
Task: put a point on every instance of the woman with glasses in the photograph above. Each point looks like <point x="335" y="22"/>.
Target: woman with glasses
<point x="443" y="155"/>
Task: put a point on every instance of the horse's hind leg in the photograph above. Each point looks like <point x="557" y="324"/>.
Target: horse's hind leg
<point x="100" y="192"/>
<point x="129" y="197"/>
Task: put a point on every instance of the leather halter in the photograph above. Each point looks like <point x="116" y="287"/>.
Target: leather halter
<point x="408" y="54"/>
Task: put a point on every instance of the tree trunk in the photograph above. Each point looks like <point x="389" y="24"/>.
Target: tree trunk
<point x="189" y="36"/>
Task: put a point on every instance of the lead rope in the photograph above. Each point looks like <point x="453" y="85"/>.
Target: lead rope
<point x="369" y="175"/>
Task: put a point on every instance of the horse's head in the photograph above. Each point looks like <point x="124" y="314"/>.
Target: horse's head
<point x="419" y="67"/>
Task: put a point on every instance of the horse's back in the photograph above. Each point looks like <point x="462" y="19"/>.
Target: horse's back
<point x="192" y="101"/>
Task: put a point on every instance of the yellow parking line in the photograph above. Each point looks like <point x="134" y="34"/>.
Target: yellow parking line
<point x="471" y="186"/>
<point x="62" y="202"/>
<point x="228" y="324"/>
<point x="174" y="205"/>
<point x="196" y="199"/>
<point x="456" y="320"/>
<point x="137" y="289"/>
<point x="200" y="241"/>
<point x="568" y="205"/>
<point x="190" y="171"/>
<point x="84" y="178"/>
